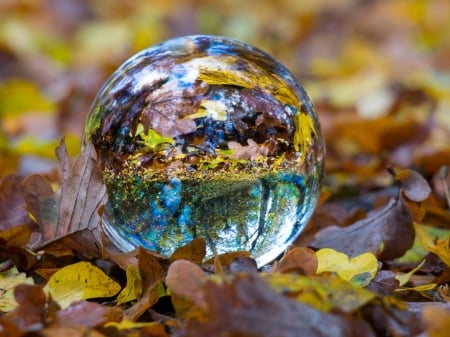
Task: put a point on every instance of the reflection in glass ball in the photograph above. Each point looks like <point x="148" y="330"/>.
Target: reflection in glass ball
<point x="205" y="136"/>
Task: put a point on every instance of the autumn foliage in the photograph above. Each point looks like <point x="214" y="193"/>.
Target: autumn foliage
<point x="374" y="260"/>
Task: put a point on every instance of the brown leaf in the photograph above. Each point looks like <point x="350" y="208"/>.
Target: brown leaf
<point x="16" y="236"/>
<point x="301" y="260"/>
<point x="152" y="273"/>
<point x="87" y="314"/>
<point x="31" y="312"/>
<point x="414" y="186"/>
<point x="384" y="282"/>
<point x="392" y="321"/>
<point x="12" y="247"/>
<point x="73" y="213"/>
<point x="12" y="210"/>
<point x="247" y="306"/>
<point x="388" y="233"/>
<point x="194" y="251"/>
<point x="185" y="280"/>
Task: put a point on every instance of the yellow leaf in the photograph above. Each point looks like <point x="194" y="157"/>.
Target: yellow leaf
<point x="423" y="287"/>
<point x="8" y="281"/>
<point x="440" y="247"/>
<point x="323" y="293"/>
<point x="127" y="324"/>
<point x="21" y="96"/>
<point x="404" y="278"/>
<point x="80" y="281"/>
<point x="359" y="270"/>
<point x="133" y="289"/>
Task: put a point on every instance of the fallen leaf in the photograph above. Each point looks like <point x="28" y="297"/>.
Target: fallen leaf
<point x="8" y="281"/>
<point x="185" y="282"/>
<point x="246" y="306"/>
<point x="152" y="273"/>
<point x="226" y="259"/>
<point x="379" y="233"/>
<point x="74" y="211"/>
<point x="437" y="320"/>
<point x="384" y="283"/>
<point x="359" y="270"/>
<point x="133" y="288"/>
<point x="322" y="293"/>
<point x="194" y="251"/>
<point x="12" y="211"/>
<point x="301" y="260"/>
<point x="127" y="325"/>
<point x="440" y="247"/>
<point x="16" y="236"/>
<point x="12" y="247"/>
<point x="404" y="278"/>
<point x="29" y="315"/>
<point x="80" y="281"/>
<point x="87" y="314"/>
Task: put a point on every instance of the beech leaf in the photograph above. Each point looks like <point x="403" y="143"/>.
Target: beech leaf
<point x="80" y="281"/>
<point x="359" y="270"/>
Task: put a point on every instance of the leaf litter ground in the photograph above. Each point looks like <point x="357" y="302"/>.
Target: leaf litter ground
<point x="382" y="92"/>
<point x="60" y="273"/>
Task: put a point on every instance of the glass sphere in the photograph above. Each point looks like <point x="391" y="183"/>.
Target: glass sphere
<point x="206" y="136"/>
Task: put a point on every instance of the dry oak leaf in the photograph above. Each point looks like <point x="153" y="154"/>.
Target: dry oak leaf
<point x="71" y="214"/>
<point x="388" y="232"/>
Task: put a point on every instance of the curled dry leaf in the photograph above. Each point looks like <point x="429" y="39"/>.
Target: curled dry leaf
<point x="300" y="260"/>
<point x="73" y="212"/>
<point x="388" y="232"/>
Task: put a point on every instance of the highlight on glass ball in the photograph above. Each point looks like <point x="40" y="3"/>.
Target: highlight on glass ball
<point x="206" y="136"/>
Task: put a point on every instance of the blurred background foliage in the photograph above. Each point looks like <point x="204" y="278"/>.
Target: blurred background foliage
<point x="377" y="71"/>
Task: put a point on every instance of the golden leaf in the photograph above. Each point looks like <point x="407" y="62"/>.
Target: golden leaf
<point x="80" y="281"/>
<point x="8" y="281"/>
<point x="359" y="270"/>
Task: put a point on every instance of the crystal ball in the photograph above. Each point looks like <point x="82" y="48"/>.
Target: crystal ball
<point x="206" y="136"/>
